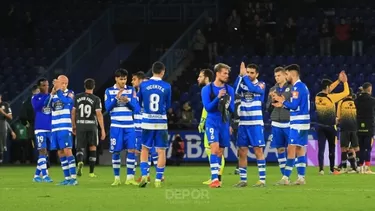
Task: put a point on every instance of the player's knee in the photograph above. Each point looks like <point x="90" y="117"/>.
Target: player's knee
<point x="281" y="150"/>
<point x="60" y="153"/>
<point x="258" y="152"/>
<point x="300" y="151"/>
<point x="291" y="150"/>
<point x="43" y="152"/>
<point x="243" y="151"/>
<point x="344" y="149"/>
<point x="219" y="153"/>
<point x="92" y="148"/>
<point x="214" y="148"/>
<point x="355" y="149"/>
<point x="68" y="152"/>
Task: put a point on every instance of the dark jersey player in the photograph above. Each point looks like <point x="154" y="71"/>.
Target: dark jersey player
<point x="87" y="111"/>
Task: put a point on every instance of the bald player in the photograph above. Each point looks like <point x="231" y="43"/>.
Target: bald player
<point x="61" y="102"/>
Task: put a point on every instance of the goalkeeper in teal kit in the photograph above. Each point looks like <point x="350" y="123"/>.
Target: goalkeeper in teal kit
<point x="218" y="100"/>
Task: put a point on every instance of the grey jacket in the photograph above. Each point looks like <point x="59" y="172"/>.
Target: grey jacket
<point x="279" y="114"/>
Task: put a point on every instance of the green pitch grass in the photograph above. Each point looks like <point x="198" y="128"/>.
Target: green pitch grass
<point x="183" y="190"/>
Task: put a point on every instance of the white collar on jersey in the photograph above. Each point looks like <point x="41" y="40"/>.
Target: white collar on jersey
<point x="114" y="86"/>
<point x="155" y="78"/>
<point x="299" y="80"/>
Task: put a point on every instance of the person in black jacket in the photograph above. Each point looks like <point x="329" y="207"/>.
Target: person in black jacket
<point x="178" y="149"/>
<point x="365" y="105"/>
<point x="27" y="118"/>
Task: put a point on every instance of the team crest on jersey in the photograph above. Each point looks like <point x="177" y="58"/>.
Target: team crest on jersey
<point x="295" y="94"/>
<point x="58" y="105"/>
<point x="287" y="89"/>
<point x="46" y="110"/>
<point x="119" y="103"/>
<point x="261" y="85"/>
<point x="3" y="107"/>
<point x="249" y="96"/>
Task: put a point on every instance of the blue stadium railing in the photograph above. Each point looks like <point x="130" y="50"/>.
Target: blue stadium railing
<point x="101" y="28"/>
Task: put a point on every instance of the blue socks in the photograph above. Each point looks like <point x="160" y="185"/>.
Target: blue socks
<point x="116" y="164"/>
<point x="301" y="166"/>
<point x="144" y="168"/>
<point x="72" y="167"/>
<point x="65" y="167"/>
<point x="281" y="158"/>
<point x="130" y="165"/>
<point x="243" y="174"/>
<point x="214" y="164"/>
<point x="262" y="170"/>
<point x="289" y="167"/>
<point x="42" y="163"/>
<point x="159" y="173"/>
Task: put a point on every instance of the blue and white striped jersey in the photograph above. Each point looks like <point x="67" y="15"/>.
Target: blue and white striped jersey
<point x="299" y="105"/>
<point x="252" y="97"/>
<point x="61" y="104"/>
<point x="155" y="96"/>
<point x="121" y="113"/>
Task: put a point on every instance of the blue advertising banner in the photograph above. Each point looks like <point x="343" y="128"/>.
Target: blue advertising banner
<point x="194" y="148"/>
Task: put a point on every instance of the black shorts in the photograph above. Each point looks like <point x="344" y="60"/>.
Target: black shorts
<point x="87" y="138"/>
<point x="349" y="139"/>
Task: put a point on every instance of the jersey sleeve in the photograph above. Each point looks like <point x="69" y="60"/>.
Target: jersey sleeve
<point x="259" y="88"/>
<point x="37" y="102"/>
<point x="109" y="101"/>
<point x="297" y="94"/>
<point x="139" y="95"/>
<point x="47" y="100"/>
<point x="232" y="99"/>
<point x="65" y="99"/>
<point x="169" y="97"/>
<point x="339" y="96"/>
<point x="98" y="104"/>
<point x="75" y="103"/>
<point x="207" y="103"/>
<point x="339" y="109"/>
<point x="236" y="84"/>
<point x="334" y="85"/>
<point x="269" y="106"/>
<point x="132" y="104"/>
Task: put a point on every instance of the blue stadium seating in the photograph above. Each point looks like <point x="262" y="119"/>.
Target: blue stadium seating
<point x="57" y="26"/>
